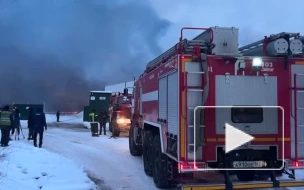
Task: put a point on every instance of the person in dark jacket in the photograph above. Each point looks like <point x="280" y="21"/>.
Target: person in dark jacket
<point x="6" y="120"/>
<point x="30" y="123"/>
<point x="16" y="122"/>
<point x="39" y="125"/>
<point x="102" y="119"/>
<point x="58" y="115"/>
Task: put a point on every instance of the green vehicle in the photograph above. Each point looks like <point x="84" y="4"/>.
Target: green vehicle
<point x="99" y="100"/>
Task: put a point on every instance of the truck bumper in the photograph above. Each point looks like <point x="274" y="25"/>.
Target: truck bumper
<point x="124" y="126"/>
<point x="249" y="185"/>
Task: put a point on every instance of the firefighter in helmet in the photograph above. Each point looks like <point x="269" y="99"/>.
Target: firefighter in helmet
<point x="6" y="120"/>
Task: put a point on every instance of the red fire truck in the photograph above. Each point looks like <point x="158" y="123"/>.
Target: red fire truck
<point x="120" y="112"/>
<point x="262" y="81"/>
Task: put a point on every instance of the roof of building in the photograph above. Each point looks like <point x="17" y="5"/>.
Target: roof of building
<point x="96" y="91"/>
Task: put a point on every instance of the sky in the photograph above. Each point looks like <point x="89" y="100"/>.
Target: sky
<point x="254" y="18"/>
<point x="55" y="51"/>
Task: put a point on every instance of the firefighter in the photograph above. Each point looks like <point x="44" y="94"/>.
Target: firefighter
<point x="58" y="115"/>
<point x="102" y="119"/>
<point x="92" y="116"/>
<point x="30" y="123"/>
<point x="39" y="125"/>
<point x="6" y="121"/>
<point x="94" y="123"/>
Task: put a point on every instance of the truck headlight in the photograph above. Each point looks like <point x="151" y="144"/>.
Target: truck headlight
<point x="121" y="120"/>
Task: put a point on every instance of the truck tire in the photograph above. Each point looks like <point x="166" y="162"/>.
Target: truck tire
<point x="147" y="152"/>
<point x="244" y="175"/>
<point x="160" y="171"/>
<point x="115" y="130"/>
<point x="135" y="150"/>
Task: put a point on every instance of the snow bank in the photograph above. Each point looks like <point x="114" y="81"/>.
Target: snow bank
<point x="26" y="167"/>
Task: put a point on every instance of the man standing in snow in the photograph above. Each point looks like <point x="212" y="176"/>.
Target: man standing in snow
<point x="16" y="122"/>
<point x="30" y="123"/>
<point x="94" y="123"/>
<point x="39" y="124"/>
<point x="6" y="121"/>
<point x="58" y="115"/>
<point x="102" y="119"/>
<point x="93" y="116"/>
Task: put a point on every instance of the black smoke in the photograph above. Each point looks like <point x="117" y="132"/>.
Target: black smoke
<point x="55" y="51"/>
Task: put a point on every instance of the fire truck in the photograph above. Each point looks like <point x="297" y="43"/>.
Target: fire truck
<point x="186" y="97"/>
<point x="120" y="112"/>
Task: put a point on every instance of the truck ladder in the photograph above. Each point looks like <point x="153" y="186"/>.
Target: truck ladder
<point x="190" y="109"/>
<point x="266" y="40"/>
<point x="187" y="47"/>
<point x="198" y="89"/>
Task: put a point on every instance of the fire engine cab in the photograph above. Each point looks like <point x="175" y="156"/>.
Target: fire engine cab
<point x="187" y="96"/>
<point x="120" y="112"/>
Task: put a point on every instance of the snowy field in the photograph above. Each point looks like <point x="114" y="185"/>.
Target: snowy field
<point x="106" y="161"/>
<point x="25" y="167"/>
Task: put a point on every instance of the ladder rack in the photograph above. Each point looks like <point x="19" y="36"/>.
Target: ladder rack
<point x="187" y="48"/>
<point x="269" y="39"/>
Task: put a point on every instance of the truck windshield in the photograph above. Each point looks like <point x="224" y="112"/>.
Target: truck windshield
<point x="123" y="100"/>
<point x="247" y="115"/>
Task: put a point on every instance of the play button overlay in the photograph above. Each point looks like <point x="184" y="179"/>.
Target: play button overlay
<point x="240" y="133"/>
<point x="235" y="138"/>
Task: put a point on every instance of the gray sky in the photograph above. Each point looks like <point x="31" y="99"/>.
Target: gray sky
<point x="254" y="18"/>
<point x="55" y="51"/>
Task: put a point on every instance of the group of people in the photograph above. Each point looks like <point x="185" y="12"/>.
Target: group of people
<point x="10" y="121"/>
<point x="101" y="118"/>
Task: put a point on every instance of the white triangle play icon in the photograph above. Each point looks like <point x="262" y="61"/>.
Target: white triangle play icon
<point x="235" y="138"/>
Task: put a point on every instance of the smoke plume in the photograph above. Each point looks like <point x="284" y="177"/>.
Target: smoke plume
<point x="57" y="51"/>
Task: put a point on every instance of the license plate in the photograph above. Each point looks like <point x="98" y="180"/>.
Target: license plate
<point x="249" y="164"/>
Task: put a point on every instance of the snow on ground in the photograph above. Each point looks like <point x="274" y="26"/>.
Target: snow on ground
<point x="25" y="167"/>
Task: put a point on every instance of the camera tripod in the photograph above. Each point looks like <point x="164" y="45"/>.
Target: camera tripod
<point x="17" y="133"/>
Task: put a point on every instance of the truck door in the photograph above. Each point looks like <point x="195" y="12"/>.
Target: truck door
<point x="132" y="99"/>
<point x="297" y="111"/>
<point x="140" y="100"/>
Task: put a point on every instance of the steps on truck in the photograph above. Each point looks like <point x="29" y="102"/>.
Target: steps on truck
<point x="212" y="180"/>
<point x="243" y="185"/>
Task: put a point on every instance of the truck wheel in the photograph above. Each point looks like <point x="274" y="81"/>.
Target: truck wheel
<point x="115" y="130"/>
<point x="244" y="175"/>
<point x="135" y="150"/>
<point x="160" y="172"/>
<point x="147" y="152"/>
